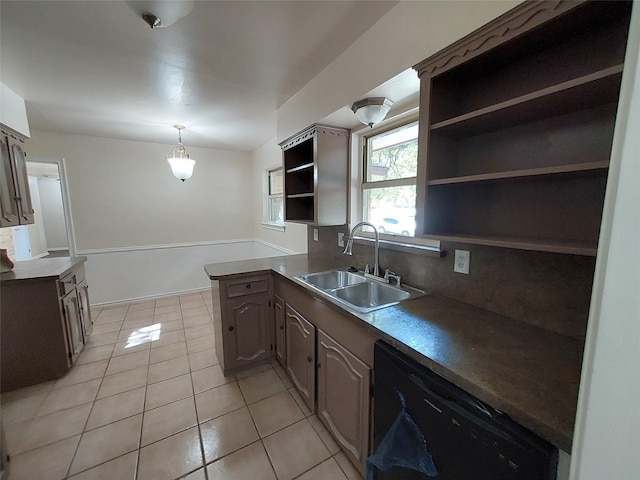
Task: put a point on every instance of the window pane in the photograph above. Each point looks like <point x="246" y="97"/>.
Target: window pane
<point x="393" y="155"/>
<point x="275" y="182"/>
<point x="276" y="210"/>
<point x="391" y="209"/>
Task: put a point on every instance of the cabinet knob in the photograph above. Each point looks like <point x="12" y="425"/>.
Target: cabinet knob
<point x="248" y="285"/>
<point x="281" y="327"/>
<point x="309" y="359"/>
<point x="231" y="328"/>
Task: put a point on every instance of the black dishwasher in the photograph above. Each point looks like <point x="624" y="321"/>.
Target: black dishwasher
<point x="463" y="438"/>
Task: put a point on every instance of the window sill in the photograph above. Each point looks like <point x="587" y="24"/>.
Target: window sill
<point x="397" y="246"/>
<point x="273" y="226"/>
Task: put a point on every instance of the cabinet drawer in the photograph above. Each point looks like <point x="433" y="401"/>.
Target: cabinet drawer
<point x="68" y="283"/>
<point x="247" y="286"/>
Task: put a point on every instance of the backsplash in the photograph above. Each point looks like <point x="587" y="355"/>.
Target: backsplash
<point x="549" y="290"/>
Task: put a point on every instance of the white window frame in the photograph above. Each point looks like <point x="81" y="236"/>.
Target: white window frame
<point x="357" y="177"/>
<point x="267" y="197"/>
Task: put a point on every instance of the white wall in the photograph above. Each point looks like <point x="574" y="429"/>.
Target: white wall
<point x="146" y="233"/>
<point x="607" y="434"/>
<point x="53" y="214"/>
<point x="409" y="33"/>
<point x="294" y="238"/>
<point x="35" y="231"/>
<point x="123" y="194"/>
<point x="13" y="112"/>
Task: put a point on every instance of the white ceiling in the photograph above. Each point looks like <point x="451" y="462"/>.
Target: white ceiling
<point x="95" y="68"/>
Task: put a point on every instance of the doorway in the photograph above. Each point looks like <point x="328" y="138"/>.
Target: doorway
<point x="51" y="235"/>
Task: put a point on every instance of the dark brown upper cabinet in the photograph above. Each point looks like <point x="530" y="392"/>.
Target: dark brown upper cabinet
<point x="315" y="164"/>
<point x="15" y="197"/>
<point x="516" y="128"/>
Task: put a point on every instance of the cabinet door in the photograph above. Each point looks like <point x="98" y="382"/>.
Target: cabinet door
<point x="25" y="207"/>
<point x="343" y="397"/>
<point x="73" y="325"/>
<point x="85" y="310"/>
<point x="281" y="338"/>
<point x="8" y="205"/>
<point x="301" y="355"/>
<point x="247" y="330"/>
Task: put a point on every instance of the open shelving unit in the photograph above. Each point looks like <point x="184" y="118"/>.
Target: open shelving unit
<point x="516" y="124"/>
<point x="315" y="164"/>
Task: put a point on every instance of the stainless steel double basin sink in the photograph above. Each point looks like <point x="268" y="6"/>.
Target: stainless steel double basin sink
<point x="357" y="291"/>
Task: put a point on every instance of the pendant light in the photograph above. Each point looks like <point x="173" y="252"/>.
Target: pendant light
<point x="181" y="164"/>
<point x="372" y="110"/>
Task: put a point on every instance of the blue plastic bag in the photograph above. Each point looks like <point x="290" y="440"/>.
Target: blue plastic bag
<point x="403" y="445"/>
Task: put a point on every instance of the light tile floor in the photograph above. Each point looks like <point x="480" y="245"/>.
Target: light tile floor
<point x="148" y="400"/>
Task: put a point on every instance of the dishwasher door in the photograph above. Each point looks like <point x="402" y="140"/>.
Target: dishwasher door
<point x="467" y="439"/>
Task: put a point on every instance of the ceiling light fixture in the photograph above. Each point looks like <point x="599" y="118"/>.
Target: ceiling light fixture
<point x="181" y="163"/>
<point x="161" y="13"/>
<point x="372" y="110"/>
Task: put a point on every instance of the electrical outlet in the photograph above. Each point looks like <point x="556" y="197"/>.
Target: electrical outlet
<point x="315" y="234"/>
<point x="461" y="264"/>
<point x="341" y="239"/>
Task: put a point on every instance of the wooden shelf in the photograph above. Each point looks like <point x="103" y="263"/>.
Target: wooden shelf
<point x="585" y="92"/>
<point x="302" y="195"/>
<point x="305" y="167"/>
<point x="584" y="168"/>
<point x="541" y="245"/>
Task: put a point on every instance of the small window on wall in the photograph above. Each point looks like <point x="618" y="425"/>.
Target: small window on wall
<point x="274" y="199"/>
<point x="389" y="180"/>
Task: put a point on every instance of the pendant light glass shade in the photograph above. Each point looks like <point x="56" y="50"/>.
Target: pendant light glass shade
<point x="372" y="110"/>
<point x="181" y="164"/>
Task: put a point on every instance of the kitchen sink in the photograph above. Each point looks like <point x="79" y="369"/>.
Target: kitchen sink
<point x="358" y="291"/>
<point x="371" y="294"/>
<point x="332" y="279"/>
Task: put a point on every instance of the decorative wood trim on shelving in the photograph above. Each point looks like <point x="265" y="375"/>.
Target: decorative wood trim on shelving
<point x="588" y="167"/>
<point x="559" y="246"/>
<point x="311" y="131"/>
<point x="588" y="90"/>
<point x="520" y="19"/>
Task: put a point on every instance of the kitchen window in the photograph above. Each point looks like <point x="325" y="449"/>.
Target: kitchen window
<point x="389" y="180"/>
<point x="273" y="216"/>
<point x="384" y="183"/>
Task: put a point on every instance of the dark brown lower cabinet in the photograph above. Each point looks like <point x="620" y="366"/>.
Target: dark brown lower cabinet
<point x="343" y="397"/>
<point x="281" y="337"/>
<point x="243" y="322"/>
<point x="300" y="354"/>
<point x="46" y="320"/>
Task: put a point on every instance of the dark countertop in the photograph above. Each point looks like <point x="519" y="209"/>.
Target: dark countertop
<point x="527" y="372"/>
<point x="41" y="268"/>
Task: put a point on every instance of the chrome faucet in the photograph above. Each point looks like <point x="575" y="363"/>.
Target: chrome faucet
<point x="349" y="247"/>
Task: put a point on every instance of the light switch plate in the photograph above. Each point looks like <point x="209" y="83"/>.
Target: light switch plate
<point x="461" y="264"/>
<point x="341" y="239"/>
<point x="315" y="234"/>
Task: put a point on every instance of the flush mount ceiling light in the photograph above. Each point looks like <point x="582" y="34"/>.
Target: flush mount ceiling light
<point x="372" y="110"/>
<point x="161" y="13"/>
<point x="181" y="164"/>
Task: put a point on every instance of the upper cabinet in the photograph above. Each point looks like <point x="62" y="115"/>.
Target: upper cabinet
<point x="15" y="198"/>
<point x="315" y="164"/>
<point x="516" y="127"/>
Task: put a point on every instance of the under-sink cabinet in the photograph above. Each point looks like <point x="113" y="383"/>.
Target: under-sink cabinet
<point x="329" y="361"/>
<point x="281" y="351"/>
<point x="244" y="326"/>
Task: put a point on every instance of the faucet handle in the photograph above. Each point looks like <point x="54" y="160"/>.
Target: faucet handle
<point x="366" y="268"/>
<point x="388" y="275"/>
